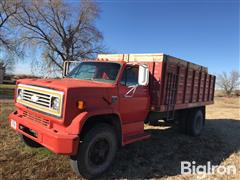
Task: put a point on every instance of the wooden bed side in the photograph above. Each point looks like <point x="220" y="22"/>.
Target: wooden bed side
<point x="195" y="87"/>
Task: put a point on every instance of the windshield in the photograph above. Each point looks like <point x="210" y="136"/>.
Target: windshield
<point x="96" y="71"/>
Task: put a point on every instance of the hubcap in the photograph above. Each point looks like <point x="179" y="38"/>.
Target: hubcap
<point x="98" y="152"/>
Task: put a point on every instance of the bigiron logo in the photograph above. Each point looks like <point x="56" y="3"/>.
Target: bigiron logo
<point x="203" y="170"/>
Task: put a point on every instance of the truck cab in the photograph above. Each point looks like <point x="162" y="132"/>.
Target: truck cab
<point x="60" y="113"/>
<point x="102" y="104"/>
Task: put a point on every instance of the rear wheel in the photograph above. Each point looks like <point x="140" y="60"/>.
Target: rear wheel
<point x="195" y="123"/>
<point x="182" y="121"/>
<point x="96" y="153"/>
<point x="29" y="142"/>
<point x="191" y="121"/>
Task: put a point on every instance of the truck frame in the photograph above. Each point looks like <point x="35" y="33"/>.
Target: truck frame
<point x="103" y="104"/>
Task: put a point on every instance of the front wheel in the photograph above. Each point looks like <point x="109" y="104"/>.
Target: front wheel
<point x="96" y="153"/>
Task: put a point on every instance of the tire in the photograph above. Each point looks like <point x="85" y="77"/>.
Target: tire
<point x="29" y="142"/>
<point x="153" y="122"/>
<point x="182" y="121"/>
<point x="96" y="152"/>
<point x="195" y="122"/>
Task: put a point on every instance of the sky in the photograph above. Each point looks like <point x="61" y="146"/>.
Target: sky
<point x="205" y="32"/>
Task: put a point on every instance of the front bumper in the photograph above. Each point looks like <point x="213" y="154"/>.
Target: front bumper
<point x="58" y="142"/>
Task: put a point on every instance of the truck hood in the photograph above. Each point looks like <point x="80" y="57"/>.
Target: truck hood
<point x="64" y="83"/>
<point x="96" y="95"/>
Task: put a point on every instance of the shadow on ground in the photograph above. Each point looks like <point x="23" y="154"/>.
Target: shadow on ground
<point x="161" y="155"/>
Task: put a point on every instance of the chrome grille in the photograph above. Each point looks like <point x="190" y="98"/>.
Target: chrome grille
<point x="37" y="98"/>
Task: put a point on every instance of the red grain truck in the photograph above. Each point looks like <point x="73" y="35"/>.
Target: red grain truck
<point x="103" y="104"/>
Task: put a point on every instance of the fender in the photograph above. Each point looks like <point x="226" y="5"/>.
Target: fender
<point x="79" y="121"/>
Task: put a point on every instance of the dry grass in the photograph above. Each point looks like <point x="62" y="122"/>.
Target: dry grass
<point x="6" y="91"/>
<point x="158" y="157"/>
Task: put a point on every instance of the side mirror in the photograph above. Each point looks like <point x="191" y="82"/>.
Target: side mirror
<point x="143" y="75"/>
<point x="67" y="67"/>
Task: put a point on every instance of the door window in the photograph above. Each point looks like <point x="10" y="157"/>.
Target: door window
<point x="130" y="76"/>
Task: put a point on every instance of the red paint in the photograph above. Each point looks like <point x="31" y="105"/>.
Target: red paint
<point x="194" y="88"/>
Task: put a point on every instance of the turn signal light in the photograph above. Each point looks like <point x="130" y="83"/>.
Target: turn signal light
<point x="81" y="105"/>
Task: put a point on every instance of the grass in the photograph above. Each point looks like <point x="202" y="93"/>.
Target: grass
<point x="6" y="91"/>
<point x="7" y="86"/>
<point x="156" y="158"/>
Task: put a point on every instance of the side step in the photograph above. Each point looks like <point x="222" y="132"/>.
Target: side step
<point x="136" y="137"/>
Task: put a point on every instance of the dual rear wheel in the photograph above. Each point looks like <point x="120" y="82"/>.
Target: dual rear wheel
<point x="192" y="121"/>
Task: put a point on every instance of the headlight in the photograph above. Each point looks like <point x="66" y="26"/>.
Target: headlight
<point x="19" y="94"/>
<point x="55" y="103"/>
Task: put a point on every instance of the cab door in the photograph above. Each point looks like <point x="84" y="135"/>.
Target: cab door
<point x="133" y="99"/>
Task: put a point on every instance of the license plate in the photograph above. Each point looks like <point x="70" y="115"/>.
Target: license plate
<point x="13" y="124"/>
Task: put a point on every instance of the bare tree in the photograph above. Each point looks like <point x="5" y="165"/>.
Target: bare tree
<point x="60" y="31"/>
<point x="8" y="63"/>
<point x="229" y="82"/>
<point x="8" y="37"/>
<point x="8" y="8"/>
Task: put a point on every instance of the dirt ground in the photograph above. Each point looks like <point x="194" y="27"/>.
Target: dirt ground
<point x="156" y="158"/>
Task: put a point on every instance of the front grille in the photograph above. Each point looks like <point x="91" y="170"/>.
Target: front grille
<point x="36" y="119"/>
<point x="37" y="98"/>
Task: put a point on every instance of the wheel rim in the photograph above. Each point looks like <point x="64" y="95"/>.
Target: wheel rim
<point x="98" y="152"/>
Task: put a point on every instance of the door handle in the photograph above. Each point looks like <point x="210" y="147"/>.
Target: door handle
<point x="114" y="99"/>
